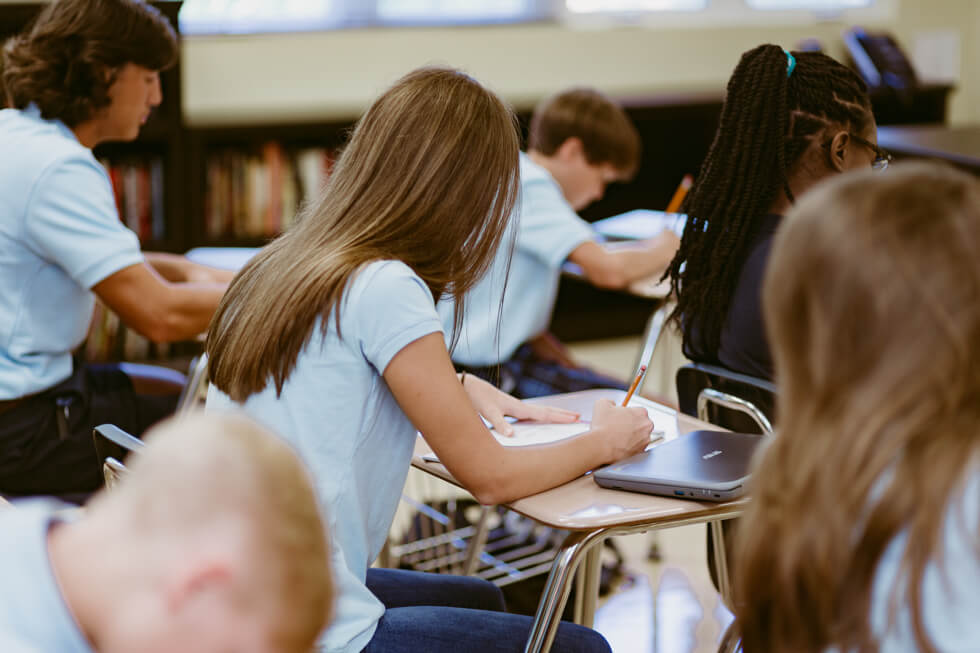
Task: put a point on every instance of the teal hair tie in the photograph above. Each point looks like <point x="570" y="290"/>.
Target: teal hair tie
<point x="790" y="63"/>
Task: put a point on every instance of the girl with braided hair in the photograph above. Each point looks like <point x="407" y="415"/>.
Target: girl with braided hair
<point x="789" y="121"/>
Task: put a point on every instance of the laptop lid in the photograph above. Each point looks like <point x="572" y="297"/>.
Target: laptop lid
<point x="704" y="465"/>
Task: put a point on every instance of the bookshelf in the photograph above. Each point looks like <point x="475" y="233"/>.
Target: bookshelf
<point x="225" y="164"/>
<point x="247" y="183"/>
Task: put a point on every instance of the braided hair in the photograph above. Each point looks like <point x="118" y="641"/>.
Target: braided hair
<point x="768" y="121"/>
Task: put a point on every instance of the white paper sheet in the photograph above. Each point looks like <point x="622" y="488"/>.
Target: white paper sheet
<point x="640" y="224"/>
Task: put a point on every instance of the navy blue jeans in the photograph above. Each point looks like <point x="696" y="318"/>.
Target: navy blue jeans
<point x="437" y="612"/>
<point x="526" y="376"/>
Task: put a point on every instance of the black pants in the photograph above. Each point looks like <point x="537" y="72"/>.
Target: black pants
<point x="40" y="456"/>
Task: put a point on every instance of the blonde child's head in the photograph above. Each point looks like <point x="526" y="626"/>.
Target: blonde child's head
<point x="219" y="518"/>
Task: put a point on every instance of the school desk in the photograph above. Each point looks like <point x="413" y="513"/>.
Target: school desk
<point x="957" y="145"/>
<point x="592" y="514"/>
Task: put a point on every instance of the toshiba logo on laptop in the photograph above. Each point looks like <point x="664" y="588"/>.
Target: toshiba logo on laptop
<point x="716" y="452"/>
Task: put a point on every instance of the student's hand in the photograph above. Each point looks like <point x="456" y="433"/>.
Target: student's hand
<point x="493" y="405"/>
<point x="206" y="274"/>
<point x="664" y="246"/>
<point x="549" y="348"/>
<point x="626" y="430"/>
<point x="179" y="269"/>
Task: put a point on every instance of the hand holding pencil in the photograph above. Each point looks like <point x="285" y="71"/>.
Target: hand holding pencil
<point x="623" y="431"/>
<point x="635" y="384"/>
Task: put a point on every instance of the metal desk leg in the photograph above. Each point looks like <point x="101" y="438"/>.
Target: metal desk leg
<point x="580" y="584"/>
<point x="590" y="593"/>
<point x="555" y="593"/>
<point x="721" y="560"/>
<point x="477" y="541"/>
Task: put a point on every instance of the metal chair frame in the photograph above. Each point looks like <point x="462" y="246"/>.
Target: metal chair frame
<point x="195" y="389"/>
<point x="108" y="440"/>
<point x="730" y="641"/>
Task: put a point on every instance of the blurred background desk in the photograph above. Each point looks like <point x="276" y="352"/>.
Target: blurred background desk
<point x="957" y="145"/>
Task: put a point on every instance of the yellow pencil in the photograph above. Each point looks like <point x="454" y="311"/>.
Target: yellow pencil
<point x="675" y="201"/>
<point x="635" y="384"/>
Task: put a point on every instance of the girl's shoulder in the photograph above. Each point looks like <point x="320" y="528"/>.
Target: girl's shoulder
<point x="389" y="285"/>
<point x="384" y="276"/>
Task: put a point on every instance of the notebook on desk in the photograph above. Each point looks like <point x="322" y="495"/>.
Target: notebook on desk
<point x="639" y="224"/>
<point x="703" y="465"/>
<point x="527" y="433"/>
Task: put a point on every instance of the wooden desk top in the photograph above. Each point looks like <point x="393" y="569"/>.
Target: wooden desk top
<point x="581" y="505"/>
<point x="959" y="145"/>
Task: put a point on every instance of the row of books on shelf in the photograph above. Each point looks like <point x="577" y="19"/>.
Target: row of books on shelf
<point x="253" y="194"/>
<point x="110" y="340"/>
<point x="138" y="188"/>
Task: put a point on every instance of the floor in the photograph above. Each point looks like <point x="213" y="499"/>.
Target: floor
<point x="668" y="606"/>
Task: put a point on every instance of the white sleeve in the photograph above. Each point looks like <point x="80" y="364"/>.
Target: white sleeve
<point x="549" y="229"/>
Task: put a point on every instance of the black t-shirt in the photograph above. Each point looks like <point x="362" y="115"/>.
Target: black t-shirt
<point x="743" y="346"/>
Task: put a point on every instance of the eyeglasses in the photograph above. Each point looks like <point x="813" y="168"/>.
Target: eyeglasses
<point x="882" y="158"/>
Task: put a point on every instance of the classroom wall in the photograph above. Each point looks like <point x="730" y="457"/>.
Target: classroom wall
<point x="325" y="75"/>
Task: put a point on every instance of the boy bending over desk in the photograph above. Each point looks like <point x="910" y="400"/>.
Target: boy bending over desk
<point x="580" y="141"/>
<point x="86" y="72"/>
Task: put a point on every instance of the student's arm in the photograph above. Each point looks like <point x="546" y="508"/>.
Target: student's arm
<point x="176" y="268"/>
<point x="549" y="348"/>
<point x="608" y="267"/>
<point x="73" y="222"/>
<point x="161" y="310"/>
<point x="422" y="380"/>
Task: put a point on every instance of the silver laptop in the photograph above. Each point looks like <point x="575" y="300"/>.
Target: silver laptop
<point x="703" y="465"/>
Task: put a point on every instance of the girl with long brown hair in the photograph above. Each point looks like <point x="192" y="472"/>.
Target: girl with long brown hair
<point x="331" y="336"/>
<point x="863" y="533"/>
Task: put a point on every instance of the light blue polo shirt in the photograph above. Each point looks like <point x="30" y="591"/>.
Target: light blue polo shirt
<point x="60" y="235"/>
<point x="547" y="231"/>
<point x="338" y="412"/>
<point x="33" y="614"/>
<point x="950" y="587"/>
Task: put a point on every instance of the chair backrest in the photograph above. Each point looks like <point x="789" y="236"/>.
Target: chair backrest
<point x="112" y="472"/>
<point x="728" y="399"/>
<point x="111" y="446"/>
<point x="654" y="329"/>
<point x="197" y="384"/>
<point x="730" y="640"/>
